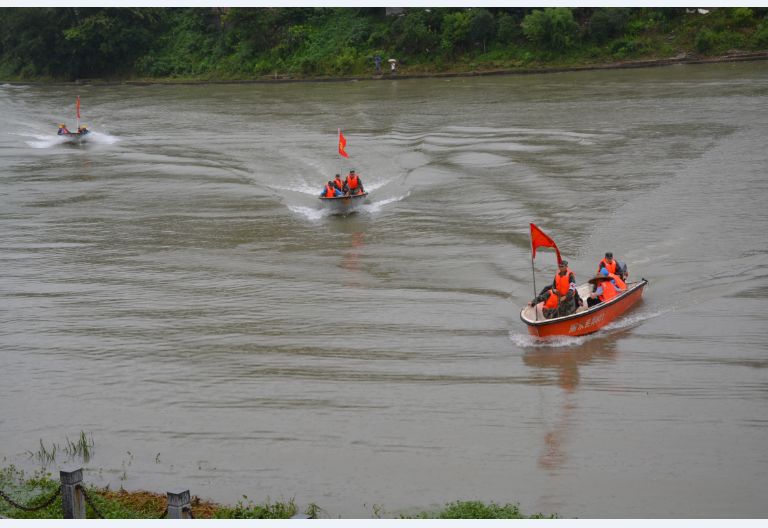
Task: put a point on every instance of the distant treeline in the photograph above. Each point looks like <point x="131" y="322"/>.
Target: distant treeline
<point x="68" y="43"/>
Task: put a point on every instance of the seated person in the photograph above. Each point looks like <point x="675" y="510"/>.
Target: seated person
<point x="603" y="290"/>
<point x="354" y="183"/>
<point x="63" y="129"/>
<point x="330" y="191"/>
<point x="547" y="303"/>
<point x="570" y="302"/>
<point x="339" y="184"/>
<point x="613" y="266"/>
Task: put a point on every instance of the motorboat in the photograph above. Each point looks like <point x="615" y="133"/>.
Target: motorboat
<point x="585" y="320"/>
<point x="344" y="204"/>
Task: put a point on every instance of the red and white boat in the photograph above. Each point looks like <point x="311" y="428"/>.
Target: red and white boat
<point x="584" y="320"/>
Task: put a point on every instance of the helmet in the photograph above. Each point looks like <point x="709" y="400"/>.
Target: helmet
<point x="62" y="125"/>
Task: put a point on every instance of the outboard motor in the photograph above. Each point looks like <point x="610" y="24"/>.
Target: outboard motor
<point x="621" y="267"/>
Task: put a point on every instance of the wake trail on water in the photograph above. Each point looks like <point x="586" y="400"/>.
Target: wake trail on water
<point x="43" y="141"/>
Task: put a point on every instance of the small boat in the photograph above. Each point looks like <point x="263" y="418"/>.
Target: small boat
<point x="76" y="137"/>
<point x="344" y="204"/>
<point x="585" y="320"/>
<point x="82" y="132"/>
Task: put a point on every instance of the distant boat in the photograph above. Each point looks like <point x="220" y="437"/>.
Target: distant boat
<point x="76" y="137"/>
<point x="344" y="204"/>
<point x="585" y="320"/>
<point x="82" y="132"/>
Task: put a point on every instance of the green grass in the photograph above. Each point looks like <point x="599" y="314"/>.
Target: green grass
<point x="35" y="489"/>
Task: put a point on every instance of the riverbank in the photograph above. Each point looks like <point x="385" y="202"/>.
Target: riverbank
<point x="683" y="59"/>
<point x="39" y="498"/>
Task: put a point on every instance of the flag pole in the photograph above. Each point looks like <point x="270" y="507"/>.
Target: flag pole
<point x="341" y="158"/>
<point x="533" y="272"/>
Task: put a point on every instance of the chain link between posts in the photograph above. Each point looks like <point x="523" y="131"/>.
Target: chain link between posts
<point x="90" y="503"/>
<point x="45" y="504"/>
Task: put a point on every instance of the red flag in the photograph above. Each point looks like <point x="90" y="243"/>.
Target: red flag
<point x="540" y="239"/>
<point x="342" y="144"/>
<point x="78" y="107"/>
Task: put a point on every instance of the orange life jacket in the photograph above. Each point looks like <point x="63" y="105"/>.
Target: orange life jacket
<point x="611" y="267"/>
<point x="329" y="192"/>
<point x="619" y="283"/>
<point x="562" y="282"/>
<point x="552" y="301"/>
<point x="609" y="291"/>
<point x="352" y="182"/>
<point x="338" y="183"/>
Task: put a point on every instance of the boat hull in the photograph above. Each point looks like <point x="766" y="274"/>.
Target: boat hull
<point x="74" y="137"/>
<point x="588" y="321"/>
<point x="344" y="204"/>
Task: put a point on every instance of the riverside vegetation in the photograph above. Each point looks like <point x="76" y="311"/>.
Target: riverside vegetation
<point x="132" y="43"/>
<point x="33" y="490"/>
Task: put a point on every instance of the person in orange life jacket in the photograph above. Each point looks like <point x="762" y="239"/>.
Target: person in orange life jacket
<point x="330" y="191"/>
<point x="339" y="184"/>
<point x="617" y="280"/>
<point x="604" y="289"/>
<point x="547" y="304"/>
<point x="569" y="302"/>
<point x="354" y="183"/>
<point x="613" y="266"/>
<point x="563" y="278"/>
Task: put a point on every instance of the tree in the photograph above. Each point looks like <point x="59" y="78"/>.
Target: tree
<point x="455" y="33"/>
<point x="607" y="23"/>
<point x="481" y="26"/>
<point x="554" y="28"/>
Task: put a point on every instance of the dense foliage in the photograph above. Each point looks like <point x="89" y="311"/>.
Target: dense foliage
<point x="68" y="43"/>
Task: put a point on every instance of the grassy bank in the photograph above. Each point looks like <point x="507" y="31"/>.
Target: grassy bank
<point x="34" y="490"/>
<point x="229" y="44"/>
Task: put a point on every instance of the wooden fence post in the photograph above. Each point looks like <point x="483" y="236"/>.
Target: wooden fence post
<point x="72" y="498"/>
<point x="179" y="506"/>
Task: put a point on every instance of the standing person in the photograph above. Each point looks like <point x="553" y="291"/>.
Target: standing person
<point x="354" y="183"/>
<point x="377" y="64"/>
<point x="563" y="279"/>
<point x="392" y="66"/>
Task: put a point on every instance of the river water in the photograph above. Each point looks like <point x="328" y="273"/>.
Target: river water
<point x="173" y="290"/>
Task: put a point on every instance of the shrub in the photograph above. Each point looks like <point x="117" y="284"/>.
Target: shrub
<point x="759" y="38"/>
<point x="553" y="28"/>
<point x="742" y="16"/>
<point x="706" y="40"/>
